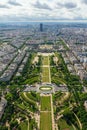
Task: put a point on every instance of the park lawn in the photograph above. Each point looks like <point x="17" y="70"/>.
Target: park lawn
<point x="31" y="80"/>
<point x="30" y="96"/>
<point x="24" y="125"/>
<point x="45" y="103"/>
<point x="45" y="79"/>
<point x="24" y="107"/>
<point x="58" y="80"/>
<point x="63" y="125"/>
<point x="45" y="60"/>
<point x="27" y="99"/>
<point x="45" y="71"/>
<point x="45" y="74"/>
<point x="45" y="121"/>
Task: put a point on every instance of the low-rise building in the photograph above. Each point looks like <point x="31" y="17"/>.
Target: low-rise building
<point x="3" y="104"/>
<point x="70" y="68"/>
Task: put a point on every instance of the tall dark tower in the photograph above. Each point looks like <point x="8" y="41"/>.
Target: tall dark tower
<point x="41" y="27"/>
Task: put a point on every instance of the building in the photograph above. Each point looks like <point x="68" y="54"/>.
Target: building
<point x="41" y="27"/>
<point x="3" y="104"/>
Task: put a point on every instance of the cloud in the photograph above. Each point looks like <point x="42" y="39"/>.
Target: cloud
<point x="36" y="10"/>
<point x="68" y="5"/>
<point x="41" y="5"/>
<point x="14" y="3"/>
<point x="84" y="1"/>
<point x="4" y="6"/>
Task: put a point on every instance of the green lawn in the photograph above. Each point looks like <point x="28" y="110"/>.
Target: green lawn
<point x="32" y="80"/>
<point x="45" y="103"/>
<point x="33" y="97"/>
<point x="45" y="121"/>
<point x="45" y="74"/>
<point x="27" y="99"/>
<point x="45" y="70"/>
<point x="45" y="60"/>
<point x="45" y="79"/>
<point x="29" y="103"/>
<point x="63" y="125"/>
<point x="58" y="80"/>
<point x="24" y="125"/>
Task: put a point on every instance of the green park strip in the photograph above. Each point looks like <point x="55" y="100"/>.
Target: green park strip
<point x="45" y="60"/>
<point x="45" y="121"/>
<point x="45" y="74"/>
<point x="45" y="103"/>
<point x="45" y="79"/>
<point x="45" y="71"/>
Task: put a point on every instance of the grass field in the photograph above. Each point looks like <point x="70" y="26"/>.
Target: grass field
<point x="45" y="79"/>
<point x="45" y="69"/>
<point x="45" y="74"/>
<point x="45" y="60"/>
<point x="45" y="115"/>
<point x="63" y="125"/>
<point x="45" y="103"/>
<point x="24" y="125"/>
<point x="45" y="121"/>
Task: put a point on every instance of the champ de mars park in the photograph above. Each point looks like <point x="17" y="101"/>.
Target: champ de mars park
<point x="43" y="65"/>
<point x="48" y="99"/>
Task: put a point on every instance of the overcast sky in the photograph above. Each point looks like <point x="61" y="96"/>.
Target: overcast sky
<point x="43" y="10"/>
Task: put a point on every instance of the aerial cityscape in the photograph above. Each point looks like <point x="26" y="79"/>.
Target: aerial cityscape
<point x="43" y="65"/>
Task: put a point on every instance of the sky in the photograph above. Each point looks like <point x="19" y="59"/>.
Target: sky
<point x="43" y="10"/>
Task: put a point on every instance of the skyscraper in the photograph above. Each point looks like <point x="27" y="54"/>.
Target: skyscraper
<point x="41" y="27"/>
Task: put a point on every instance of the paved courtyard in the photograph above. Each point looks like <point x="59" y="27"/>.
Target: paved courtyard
<point x="54" y="89"/>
